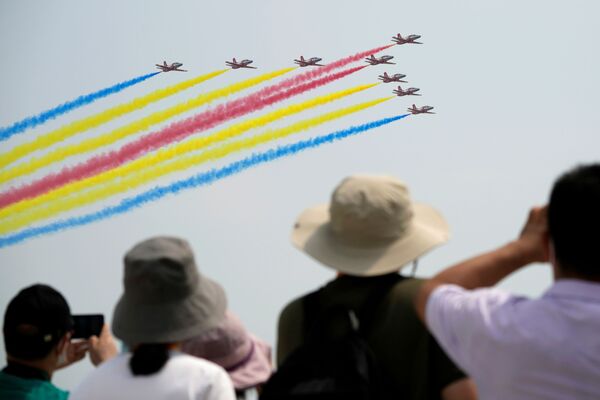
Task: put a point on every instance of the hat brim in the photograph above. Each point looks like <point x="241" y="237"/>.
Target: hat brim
<point x="256" y="370"/>
<point x="136" y="322"/>
<point x="312" y="235"/>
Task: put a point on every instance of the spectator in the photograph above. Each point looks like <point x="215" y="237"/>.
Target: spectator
<point x="166" y="301"/>
<point x="519" y="348"/>
<point x="369" y="231"/>
<point x="246" y="358"/>
<point x="37" y="335"/>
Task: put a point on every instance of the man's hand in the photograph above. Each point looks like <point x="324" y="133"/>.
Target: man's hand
<point x="533" y="241"/>
<point x="73" y="352"/>
<point x="102" y="348"/>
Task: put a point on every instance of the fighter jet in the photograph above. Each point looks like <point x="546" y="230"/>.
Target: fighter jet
<point x="423" y="110"/>
<point x="394" y="78"/>
<point x="408" y="92"/>
<point x="241" y="64"/>
<point x="173" y="67"/>
<point x="310" y="62"/>
<point x="410" y="39"/>
<point x="381" y="60"/>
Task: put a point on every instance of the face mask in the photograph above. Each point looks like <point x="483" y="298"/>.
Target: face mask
<point x="63" y="359"/>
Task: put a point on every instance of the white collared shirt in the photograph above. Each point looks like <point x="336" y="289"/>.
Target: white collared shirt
<point x="518" y="348"/>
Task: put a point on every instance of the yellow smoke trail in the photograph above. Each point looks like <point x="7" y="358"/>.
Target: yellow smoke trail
<point x="153" y="172"/>
<point x="168" y="153"/>
<point x="84" y="124"/>
<point x="134" y="127"/>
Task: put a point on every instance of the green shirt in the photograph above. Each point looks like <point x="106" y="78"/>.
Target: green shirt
<point x="404" y="349"/>
<point x="16" y="388"/>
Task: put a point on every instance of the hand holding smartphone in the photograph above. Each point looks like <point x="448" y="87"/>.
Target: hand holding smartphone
<point x="87" y="325"/>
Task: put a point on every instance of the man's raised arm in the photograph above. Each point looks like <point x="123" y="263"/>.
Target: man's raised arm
<point x="489" y="268"/>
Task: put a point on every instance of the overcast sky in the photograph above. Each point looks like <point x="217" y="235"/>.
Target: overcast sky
<point x="514" y="84"/>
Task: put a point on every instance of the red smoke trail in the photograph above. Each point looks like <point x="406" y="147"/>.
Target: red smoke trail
<point x="174" y="132"/>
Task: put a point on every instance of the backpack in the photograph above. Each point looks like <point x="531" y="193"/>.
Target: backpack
<point x="335" y="361"/>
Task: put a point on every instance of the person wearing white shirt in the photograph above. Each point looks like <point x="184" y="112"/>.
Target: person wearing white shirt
<point x="166" y="301"/>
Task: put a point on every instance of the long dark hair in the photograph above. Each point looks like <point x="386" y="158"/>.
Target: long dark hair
<point x="148" y="359"/>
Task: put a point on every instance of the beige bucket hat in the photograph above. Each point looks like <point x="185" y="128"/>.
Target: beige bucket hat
<point x="371" y="227"/>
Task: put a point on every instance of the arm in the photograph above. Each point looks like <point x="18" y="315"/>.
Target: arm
<point x="463" y="389"/>
<point x="489" y="268"/>
<point x="102" y="348"/>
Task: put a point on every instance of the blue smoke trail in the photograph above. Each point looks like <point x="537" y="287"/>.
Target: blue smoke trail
<point x="44" y="116"/>
<point x="202" y="179"/>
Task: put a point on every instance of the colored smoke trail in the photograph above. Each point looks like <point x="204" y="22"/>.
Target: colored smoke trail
<point x="169" y="153"/>
<point x="81" y="101"/>
<point x="316" y="72"/>
<point x="78" y="126"/>
<point x="144" y="123"/>
<point x="202" y="179"/>
<point x="175" y="132"/>
<point x="64" y="204"/>
<point x="85" y="124"/>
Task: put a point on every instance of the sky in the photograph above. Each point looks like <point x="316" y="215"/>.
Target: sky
<point x="514" y="85"/>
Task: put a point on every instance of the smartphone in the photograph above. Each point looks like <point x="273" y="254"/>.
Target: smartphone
<point x="87" y="325"/>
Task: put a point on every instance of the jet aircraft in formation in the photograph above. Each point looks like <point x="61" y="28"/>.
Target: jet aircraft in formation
<point x="410" y="39"/>
<point x="372" y="60"/>
<point x="385" y="78"/>
<point x="164" y="67"/>
<point x="239" y="64"/>
<point x="408" y="92"/>
<point x="313" y="61"/>
<point x="422" y="110"/>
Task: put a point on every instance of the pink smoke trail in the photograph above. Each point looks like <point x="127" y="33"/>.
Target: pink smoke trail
<point x="174" y="132"/>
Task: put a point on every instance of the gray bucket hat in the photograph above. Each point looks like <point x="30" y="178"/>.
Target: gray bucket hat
<point x="166" y="299"/>
<point x="370" y="227"/>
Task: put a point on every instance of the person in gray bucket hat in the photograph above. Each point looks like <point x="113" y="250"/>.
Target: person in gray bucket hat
<point x="166" y="301"/>
<point x="367" y="233"/>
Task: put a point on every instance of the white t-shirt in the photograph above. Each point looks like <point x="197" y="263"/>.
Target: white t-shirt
<point x="183" y="377"/>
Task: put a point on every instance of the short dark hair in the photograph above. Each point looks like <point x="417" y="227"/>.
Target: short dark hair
<point x="35" y="321"/>
<point x="574" y="220"/>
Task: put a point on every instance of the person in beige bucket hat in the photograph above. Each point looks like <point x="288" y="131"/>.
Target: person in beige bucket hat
<point x="370" y="230"/>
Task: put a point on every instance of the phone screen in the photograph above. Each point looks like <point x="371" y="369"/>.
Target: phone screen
<point x="87" y="325"/>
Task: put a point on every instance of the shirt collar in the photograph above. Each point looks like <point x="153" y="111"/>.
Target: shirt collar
<point x="25" y="371"/>
<point x="575" y="289"/>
